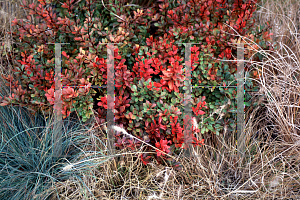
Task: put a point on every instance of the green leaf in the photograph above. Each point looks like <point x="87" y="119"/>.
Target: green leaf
<point x="134" y="88"/>
<point x="210" y="127"/>
<point x="203" y="130"/>
<point x="159" y="104"/>
<point x="141" y="114"/>
<point x="247" y="103"/>
<point x="173" y="100"/>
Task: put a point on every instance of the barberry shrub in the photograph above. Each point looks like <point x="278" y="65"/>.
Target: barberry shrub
<point x="148" y="60"/>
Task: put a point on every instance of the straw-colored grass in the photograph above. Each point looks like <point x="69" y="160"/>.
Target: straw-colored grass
<point x="9" y="10"/>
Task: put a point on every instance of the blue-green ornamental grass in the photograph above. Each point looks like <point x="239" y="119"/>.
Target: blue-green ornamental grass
<point x="28" y="168"/>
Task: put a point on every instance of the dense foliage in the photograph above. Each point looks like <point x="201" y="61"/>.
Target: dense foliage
<point x="149" y="63"/>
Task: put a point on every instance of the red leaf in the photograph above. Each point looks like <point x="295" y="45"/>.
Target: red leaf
<point x="15" y="22"/>
<point x="145" y="160"/>
<point x="65" y="54"/>
<point x="65" y="6"/>
<point x="42" y="2"/>
<point x="4" y="103"/>
<point x="200" y="112"/>
<point x="78" y="38"/>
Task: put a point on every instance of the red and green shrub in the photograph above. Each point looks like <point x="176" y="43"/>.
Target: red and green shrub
<point x="149" y="63"/>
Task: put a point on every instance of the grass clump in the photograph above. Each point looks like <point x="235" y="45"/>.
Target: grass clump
<point x="28" y="167"/>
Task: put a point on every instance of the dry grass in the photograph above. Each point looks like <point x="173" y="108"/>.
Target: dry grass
<point x="9" y="10"/>
<point x="284" y="16"/>
<point x="270" y="169"/>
